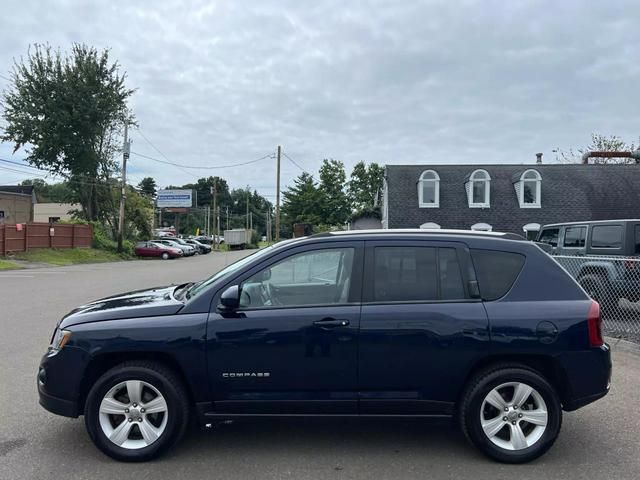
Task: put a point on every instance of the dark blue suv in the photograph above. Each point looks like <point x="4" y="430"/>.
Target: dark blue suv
<point x="485" y="328"/>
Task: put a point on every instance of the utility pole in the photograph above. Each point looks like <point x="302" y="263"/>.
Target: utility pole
<point x="206" y="219"/>
<point x="125" y="155"/>
<point x="213" y="201"/>
<point x="268" y="227"/>
<point x="247" y="219"/>
<point x="227" y="224"/>
<point x="278" y="196"/>
<point x="218" y="225"/>
<point x="250" y="220"/>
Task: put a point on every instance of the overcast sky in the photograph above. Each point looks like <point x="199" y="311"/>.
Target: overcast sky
<point x="222" y="82"/>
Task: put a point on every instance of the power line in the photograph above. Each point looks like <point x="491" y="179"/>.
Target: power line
<point x="19" y="164"/>
<point x="162" y="154"/>
<point x="203" y="168"/>
<point x="295" y="163"/>
<point x="15" y="170"/>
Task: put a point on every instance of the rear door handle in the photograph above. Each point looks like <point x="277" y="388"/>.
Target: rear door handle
<point x="331" y="323"/>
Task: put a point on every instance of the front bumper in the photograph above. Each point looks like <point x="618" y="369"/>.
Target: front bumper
<point x="59" y="406"/>
<point x="59" y="378"/>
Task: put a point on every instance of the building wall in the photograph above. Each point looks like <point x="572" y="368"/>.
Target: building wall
<point x="569" y="193"/>
<point x="17" y="208"/>
<point x="43" y="211"/>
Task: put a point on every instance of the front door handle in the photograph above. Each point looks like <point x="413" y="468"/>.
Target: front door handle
<point x="331" y="323"/>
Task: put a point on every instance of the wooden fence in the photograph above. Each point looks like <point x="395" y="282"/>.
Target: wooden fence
<point x="27" y="236"/>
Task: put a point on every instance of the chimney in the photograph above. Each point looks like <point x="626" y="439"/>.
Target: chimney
<point x="538" y="158"/>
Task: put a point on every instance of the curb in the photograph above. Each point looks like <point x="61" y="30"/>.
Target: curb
<point x="623" y="345"/>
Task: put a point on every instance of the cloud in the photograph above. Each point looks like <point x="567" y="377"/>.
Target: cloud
<point x="220" y="82"/>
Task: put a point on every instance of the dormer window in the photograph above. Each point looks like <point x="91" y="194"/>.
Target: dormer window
<point x="478" y="188"/>
<point x="529" y="189"/>
<point x="429" y="190"/>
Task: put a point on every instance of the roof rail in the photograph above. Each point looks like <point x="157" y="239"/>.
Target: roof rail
<point x="422" y="231"/>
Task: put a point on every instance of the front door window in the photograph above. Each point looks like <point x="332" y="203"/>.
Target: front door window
<point x="320" y="277"/>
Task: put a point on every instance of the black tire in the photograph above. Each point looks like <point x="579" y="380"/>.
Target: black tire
<point x="478" y="388"/>
<point x="165" y="256"/>
<point x="161" y="378"/>
<point x="596" y="288"/>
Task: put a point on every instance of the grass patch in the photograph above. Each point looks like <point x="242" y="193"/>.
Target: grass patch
<point x="7" y="265"/>
<point x="69" y="256"/>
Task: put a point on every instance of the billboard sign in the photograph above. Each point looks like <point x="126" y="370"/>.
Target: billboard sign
<point x="174" y="198"/>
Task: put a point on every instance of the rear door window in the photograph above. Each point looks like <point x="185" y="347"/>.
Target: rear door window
<point x="606" y="236"/>
<point x="496" y="271"/>
<point x="410" y="274"/>
<point x="574" y="237"/>
<point x="550" y="236"/>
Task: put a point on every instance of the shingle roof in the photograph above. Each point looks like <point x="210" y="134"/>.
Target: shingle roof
<point x="570" y="192"/>
<point x="21" y="189"/>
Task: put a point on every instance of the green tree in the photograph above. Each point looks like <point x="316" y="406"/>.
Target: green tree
<point x="302" y="203"/>
<point x="68" y="111"/>
<point x="51" y="192"/>
<point x="365" y="186"/>
<point x="600" y="143"/>
<point x="335" y="205"/>
<point x="148" y="187"/>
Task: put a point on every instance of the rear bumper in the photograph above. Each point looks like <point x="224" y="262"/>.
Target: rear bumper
<point x="590" y="377"/>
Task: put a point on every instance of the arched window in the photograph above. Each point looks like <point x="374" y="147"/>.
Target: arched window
<point x="430" y="226"/>
<point x="529" y="189"/>
<point x="478" y="189"/>
<point x="481" y="227"/>
<point x="429" y="190"/>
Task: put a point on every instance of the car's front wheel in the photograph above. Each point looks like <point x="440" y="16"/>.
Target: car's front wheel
<point x="511" y="413"/>
<point x="136" y="411"/>
<point x="165" y="256"/>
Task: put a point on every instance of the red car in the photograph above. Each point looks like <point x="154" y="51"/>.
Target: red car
<point x="152" y="249"/>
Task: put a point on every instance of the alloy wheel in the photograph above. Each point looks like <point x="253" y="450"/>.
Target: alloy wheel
<point x="133" y="414"/>
<point x="514" y="416"/>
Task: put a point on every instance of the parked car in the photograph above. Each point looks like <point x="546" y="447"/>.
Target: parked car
<point x="479" y="326"/>
<point x="187" y="250"/>
<point x="154" y="249"/>
<point x="602" y="273"/>
<point x="201" y="247"/>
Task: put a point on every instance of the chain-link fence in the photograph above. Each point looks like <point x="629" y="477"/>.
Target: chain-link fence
<point x="615" y="283"/>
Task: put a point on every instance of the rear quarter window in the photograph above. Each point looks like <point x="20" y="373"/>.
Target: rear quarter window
<point x="496" y="271"/>
<point x="606" y="236"/>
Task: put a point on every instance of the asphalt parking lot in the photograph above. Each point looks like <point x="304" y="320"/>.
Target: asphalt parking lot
<point x="599" y="441"/>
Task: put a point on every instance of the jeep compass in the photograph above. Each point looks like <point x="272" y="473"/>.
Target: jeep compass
<point x="481" y="327"/>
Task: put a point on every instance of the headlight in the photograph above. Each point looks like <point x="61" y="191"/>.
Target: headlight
<point x="60" y="339"/>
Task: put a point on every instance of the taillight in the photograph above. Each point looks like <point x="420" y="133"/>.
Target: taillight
<point x="594" y="322"/>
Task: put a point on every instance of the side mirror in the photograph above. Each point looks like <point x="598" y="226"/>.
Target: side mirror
<point x="230" y="298"/>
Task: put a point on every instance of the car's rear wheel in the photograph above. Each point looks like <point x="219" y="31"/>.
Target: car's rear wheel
<point x="511" y="413"/>
<point x="136" y="411"/>
<point x="165" y="256"/>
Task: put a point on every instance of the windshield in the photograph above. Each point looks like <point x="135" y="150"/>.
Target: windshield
<point x="199" y="287"/>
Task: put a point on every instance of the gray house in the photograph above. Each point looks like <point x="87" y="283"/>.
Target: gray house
<point x="507" y="198"/>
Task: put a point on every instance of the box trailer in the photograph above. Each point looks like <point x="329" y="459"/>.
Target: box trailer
<point x="237" y="238"/>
